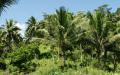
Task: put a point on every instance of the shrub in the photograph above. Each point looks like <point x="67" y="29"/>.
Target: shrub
<point x="21" y="57"/>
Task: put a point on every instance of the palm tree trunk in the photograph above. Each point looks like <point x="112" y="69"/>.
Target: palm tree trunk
<point x="105" y="57"/>
<point x="98" y="56"/>
<point x="9" y="45"/>
<point x="114" y="63"/>
<point x="64" y="58"/>
<point x="63" y="52"/>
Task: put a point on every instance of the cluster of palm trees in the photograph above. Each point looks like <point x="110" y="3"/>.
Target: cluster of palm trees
<point x="98" y="32"/>
<point x="104" y="36"/>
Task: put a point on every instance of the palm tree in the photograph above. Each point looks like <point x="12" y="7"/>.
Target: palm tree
<point x="32" y="28"/>
<point x="114" y="46"/>
<point x="6" y="3"/>
<point x="10" y="34"/>
<point x="51" y="25"/>
<point x="100" y="30"/>
<point x="66" y="31"/>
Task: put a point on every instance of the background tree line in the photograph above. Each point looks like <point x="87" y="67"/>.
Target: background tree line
<point x="62" y="41"/>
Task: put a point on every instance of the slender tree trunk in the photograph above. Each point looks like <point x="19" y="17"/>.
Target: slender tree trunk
<point x="9" y="45"/>
<point x="63" y="53"/>
<point x="114" y="63"/>
<point x="105" y="57"/>
<point x="64" y="58"/>
<point x="98" y="56"/>
<point x="59" y="52"/>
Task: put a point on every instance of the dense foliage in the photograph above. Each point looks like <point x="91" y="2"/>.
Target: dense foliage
<point x="63" y="43"/>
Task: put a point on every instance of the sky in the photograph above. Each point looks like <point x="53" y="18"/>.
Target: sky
<point x="21" y="11"/>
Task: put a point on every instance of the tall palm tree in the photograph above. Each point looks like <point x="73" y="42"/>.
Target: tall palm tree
<point x="6" y="3"/>
<point x="10" y="34"/>
<point x="66" y="31"/>
<point x="32" y="28"/>
<point x="100" y="31"/>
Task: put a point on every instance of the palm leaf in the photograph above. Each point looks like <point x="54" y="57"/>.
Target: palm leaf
<point x="6" y="3"/>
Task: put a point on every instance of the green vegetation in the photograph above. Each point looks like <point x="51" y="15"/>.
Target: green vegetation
<point x="6" y="3"/>
<point x="62" y="43"/>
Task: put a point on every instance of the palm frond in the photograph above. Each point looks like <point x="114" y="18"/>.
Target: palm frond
<point x="6" y="3"/>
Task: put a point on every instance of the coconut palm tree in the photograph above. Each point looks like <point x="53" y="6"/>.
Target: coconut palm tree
<point x="10" y="34"/>
<point x="6" y="3"/>
<point x="100" y="29"/>
<point x="32" y="28"/>
<point x="66" y="31"/>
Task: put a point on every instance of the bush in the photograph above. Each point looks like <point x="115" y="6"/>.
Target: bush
<point x="21" y="57"/>
<point x="46" y="67"/>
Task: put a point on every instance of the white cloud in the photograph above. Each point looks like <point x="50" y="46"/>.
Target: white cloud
<point x="22" y="27"/>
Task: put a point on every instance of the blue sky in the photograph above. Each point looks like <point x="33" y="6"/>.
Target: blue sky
<point x="26" y="8"/>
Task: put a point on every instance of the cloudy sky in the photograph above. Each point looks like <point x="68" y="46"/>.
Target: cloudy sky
<point x="22" y="26"/>
<point x="26" y="8"/>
